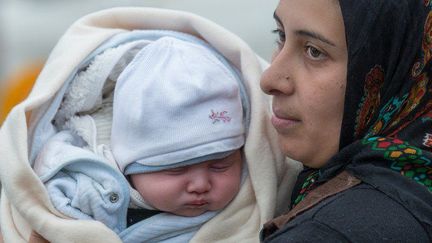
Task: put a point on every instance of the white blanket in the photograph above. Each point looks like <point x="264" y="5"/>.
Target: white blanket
<point x="26" y="211"/>
<point x="79" y="172"/>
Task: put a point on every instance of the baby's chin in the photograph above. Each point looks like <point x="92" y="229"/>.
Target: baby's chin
<point x="193" y="211"/>
<point x="190" y="212"/>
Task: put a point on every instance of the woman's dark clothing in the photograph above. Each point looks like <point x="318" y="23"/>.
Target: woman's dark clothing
<point x="346" y="217"/>
<point x="327" y="222"/>
<point x="386" y="136"/>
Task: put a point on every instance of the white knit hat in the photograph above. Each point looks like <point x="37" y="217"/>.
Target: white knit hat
<point x="175" y="104"/>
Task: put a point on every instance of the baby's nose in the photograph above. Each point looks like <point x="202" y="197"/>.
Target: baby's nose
<point x="199" y="184"/>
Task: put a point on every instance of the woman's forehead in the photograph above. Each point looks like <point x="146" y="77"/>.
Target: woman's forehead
<point x="307" y="17"/>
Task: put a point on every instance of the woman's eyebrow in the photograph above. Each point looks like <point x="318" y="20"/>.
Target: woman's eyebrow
<point x="307" y="33"/>
<point x="314" y="35"/>
<point x="277" y="18"/>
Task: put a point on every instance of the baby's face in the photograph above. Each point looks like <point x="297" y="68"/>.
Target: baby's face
<point x="192" y="190"/>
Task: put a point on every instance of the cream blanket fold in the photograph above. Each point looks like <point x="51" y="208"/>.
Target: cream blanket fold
<point x="27" y="214"/>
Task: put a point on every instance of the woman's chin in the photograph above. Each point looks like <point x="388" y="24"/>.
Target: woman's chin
<point x="288" y="148"/>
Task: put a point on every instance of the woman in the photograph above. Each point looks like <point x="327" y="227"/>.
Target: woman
<point x="351" y="91"/>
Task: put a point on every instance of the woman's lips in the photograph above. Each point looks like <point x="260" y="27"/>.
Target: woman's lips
<point x="283" y="123"/>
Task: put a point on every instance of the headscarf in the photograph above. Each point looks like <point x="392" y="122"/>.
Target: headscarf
<point x="386" y="135"/>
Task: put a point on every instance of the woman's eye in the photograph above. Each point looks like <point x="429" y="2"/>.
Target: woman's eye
<point x="281" y="36"/>
<point x="314" y="53"/>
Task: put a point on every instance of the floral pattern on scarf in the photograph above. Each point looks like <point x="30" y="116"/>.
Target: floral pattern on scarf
<point x="371" y="100"/>
<point x="406" y="159"/>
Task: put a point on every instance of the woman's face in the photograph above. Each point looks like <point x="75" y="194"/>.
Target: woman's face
<point x="307" y="79"/>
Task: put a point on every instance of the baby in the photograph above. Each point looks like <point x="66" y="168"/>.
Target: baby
<point x="175" y="157"/>
<point x="65" y="131"/>
<point x="178" y="129"/>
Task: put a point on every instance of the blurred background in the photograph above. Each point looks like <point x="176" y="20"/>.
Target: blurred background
<point x="29" y="29"/>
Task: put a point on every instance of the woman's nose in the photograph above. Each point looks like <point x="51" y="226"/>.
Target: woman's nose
<point x="199" y="183"/>
<point x="277" y="78"/>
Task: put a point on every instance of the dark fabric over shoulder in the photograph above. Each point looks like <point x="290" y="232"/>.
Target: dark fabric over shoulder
<point x="340" y="183"/>
<point x="310" y="231"/>
<point x="345" y="218"/>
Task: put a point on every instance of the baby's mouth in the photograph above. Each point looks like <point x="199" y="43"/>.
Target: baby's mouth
<point x="198" y="203"/>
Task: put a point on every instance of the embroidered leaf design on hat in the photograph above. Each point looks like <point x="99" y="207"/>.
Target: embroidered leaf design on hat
<point x="219" y="116"/>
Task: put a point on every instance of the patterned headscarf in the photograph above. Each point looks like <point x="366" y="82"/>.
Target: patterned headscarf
<point x="386" y="138"/>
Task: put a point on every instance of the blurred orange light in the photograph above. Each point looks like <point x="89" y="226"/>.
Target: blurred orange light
<point x="17" y="87"/>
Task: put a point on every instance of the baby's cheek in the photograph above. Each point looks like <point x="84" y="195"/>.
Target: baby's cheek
<point x="229" y="191"/>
